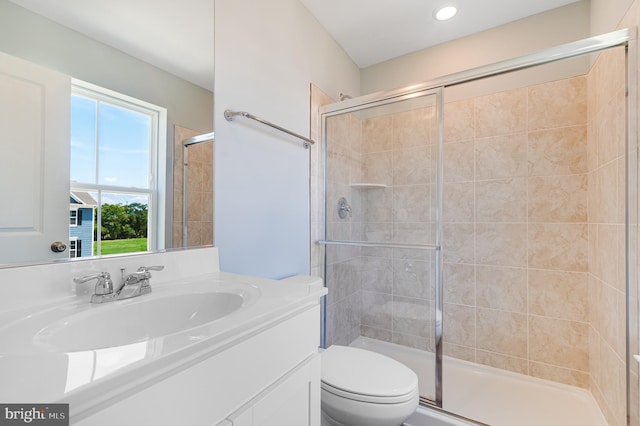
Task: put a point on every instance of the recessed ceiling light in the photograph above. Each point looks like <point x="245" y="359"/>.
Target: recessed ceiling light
<point x="445" y="12"/>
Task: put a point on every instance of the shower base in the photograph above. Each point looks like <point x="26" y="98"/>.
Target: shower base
<point x="490" y="395"/>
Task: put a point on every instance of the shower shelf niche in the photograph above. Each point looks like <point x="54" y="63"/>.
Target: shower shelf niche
<point x="367" y="185"/>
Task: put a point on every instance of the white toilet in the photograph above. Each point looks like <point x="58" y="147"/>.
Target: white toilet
<point x="364" y="388"/>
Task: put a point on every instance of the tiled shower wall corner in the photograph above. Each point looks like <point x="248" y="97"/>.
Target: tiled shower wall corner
<point x="606" y="212"/>
<point x="200" y="190"/>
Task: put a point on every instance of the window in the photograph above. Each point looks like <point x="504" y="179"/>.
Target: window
<point x="118" y="154"/>
<point x="73" y="217"/>
<point x="74" y="249"/>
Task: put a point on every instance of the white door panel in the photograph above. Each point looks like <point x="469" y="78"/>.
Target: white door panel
<point x="34" y="160"/>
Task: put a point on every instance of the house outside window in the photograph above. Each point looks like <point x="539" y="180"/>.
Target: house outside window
<point x="81" y="226"/>
<point x="118" y="156"/>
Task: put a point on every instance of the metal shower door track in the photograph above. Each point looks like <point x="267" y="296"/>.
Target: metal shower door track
<point x="545" y="56"/>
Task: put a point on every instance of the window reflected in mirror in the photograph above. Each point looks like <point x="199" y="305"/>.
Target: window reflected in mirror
<point x="114" y="153"/>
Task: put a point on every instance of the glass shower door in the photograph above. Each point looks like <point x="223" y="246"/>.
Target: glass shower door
<point x="383" y="208"/>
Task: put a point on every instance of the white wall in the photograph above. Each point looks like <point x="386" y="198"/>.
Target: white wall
<point x="267" y="53"/>
<point x="32" y="37"/>
<point x="607" y="14"/>
<point x="562" y="25"/>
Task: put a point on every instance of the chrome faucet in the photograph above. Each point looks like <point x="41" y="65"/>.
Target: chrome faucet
<point x="133" y="285"/>
<point x="104" y="287"/>
<point x="137" y="283"/>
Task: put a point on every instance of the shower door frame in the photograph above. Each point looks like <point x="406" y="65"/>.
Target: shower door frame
<point x="621" y="38"/>
<point x="397" y="97"/>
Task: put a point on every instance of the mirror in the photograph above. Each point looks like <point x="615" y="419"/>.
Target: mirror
<point x="37" y="39"/>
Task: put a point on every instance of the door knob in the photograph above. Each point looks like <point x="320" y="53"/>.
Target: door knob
<point x="58" y="247"/>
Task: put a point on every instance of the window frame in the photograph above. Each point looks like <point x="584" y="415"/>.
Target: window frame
<point x="157" y="189"/>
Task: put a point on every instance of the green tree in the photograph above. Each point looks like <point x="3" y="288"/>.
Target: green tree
<point x="138" y="216"/>
<point x="123" y="221"/>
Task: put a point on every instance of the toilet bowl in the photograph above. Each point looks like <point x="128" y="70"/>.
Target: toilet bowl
<point x="364" y="388"/>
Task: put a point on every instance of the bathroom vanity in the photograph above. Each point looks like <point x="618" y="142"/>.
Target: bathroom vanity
<point x="207" y="348"/>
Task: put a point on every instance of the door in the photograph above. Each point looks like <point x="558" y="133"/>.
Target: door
<point x="383" y="230"/>
<point x="34" y="161"/>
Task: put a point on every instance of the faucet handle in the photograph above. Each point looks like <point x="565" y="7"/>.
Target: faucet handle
<point x="104" y="284"/>
<point x="99" y="276"/>
<point x="150" y="268"/>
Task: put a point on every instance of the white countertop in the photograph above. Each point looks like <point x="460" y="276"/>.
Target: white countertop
<point x="33" y="372"/>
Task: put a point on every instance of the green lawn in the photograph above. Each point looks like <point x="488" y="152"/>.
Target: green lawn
<point x="121" y="246"/>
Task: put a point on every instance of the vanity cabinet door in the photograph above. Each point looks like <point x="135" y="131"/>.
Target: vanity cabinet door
<point x="292" y="401"/>
<point x="286" y="405"/>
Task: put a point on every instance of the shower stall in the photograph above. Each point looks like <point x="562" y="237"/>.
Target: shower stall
<point x="482" y="229"/>
<point x="192" y="188"/>
<point x="186" y="144"/>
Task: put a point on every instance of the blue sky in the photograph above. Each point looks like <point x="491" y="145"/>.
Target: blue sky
<point x="123" y="146"/>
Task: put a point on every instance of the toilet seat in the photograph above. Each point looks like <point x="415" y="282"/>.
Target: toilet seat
<point x="366" y="376"/>
<point x="368" y="398"/>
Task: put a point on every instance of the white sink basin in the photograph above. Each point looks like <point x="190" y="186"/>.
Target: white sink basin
<point x="142" y="319"/>
<point x="169" y="317"/>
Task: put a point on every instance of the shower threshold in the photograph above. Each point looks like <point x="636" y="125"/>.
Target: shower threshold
<point x="491" y="395"/>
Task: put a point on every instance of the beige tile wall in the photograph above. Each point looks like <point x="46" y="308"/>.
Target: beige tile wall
<point x="517" y="250"/>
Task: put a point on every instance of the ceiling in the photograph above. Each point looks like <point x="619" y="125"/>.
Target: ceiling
<point x="373" y="31"/>
<point x="177" y="36"/>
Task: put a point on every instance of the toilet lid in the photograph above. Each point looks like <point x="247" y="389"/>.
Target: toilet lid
<point x="362" y="372"/>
